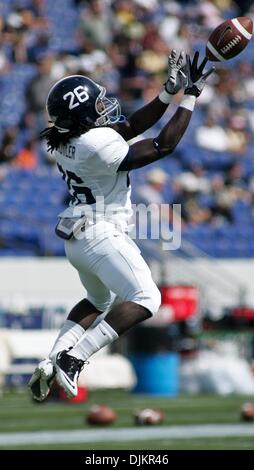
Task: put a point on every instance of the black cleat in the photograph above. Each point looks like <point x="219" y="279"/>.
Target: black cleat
<point x="68" y="369"/>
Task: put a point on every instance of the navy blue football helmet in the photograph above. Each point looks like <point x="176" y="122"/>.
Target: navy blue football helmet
<point x="79" y="101"/>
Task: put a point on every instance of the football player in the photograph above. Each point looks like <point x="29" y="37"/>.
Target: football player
<point x="89" y="140"/>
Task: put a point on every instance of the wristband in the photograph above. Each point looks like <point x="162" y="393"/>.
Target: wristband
<point x="165" y="97"/>
<point x="188" y="102"/>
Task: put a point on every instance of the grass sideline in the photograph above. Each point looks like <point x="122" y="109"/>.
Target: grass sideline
<point x="18" y="413"/>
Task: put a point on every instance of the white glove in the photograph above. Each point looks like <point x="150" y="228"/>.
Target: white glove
<point x="176" y="77"/>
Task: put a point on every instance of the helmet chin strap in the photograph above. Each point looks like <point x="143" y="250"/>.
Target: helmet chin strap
<point x="61" y="130"/>
<point x="121" y="118"/>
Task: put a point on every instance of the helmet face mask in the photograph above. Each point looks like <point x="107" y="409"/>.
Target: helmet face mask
<point x="109" y="109"/>
<point x="77" y="101"/>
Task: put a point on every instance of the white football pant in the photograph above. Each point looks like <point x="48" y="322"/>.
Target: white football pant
<point x="109" y="264"/>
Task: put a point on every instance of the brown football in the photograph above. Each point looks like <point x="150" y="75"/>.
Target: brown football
<point x="101" y="414"/>
<point x="148" y="416"/>
<point x="229" y="39"/>
<point x="247" y="412"/>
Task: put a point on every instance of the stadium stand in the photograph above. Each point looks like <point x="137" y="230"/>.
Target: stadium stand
<point x="211" y="172"/>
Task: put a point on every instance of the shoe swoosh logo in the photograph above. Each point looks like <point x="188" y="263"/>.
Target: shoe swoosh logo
<point x="69" y="381"/>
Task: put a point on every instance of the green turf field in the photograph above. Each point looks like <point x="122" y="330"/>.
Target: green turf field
<point x="19" y="414"/>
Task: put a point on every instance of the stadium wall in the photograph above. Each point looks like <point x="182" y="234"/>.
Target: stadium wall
<point x="33" y="282"/>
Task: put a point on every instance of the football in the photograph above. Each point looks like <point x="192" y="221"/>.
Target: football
<point x="148" y="416"/>
<point x="247" y="412"/>
<point x="229" y="39"/>
<point x="101" y="414"/>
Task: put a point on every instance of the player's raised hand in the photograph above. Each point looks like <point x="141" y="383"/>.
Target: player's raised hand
<point x="195" y="78"/>
<point x="175" y="75"/>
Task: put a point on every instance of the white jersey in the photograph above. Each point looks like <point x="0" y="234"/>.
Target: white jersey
<point x="89" y="165"/>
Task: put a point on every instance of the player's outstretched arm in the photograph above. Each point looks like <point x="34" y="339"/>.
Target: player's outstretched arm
<point x="149" y="150"/>
<point x="146" y="117"/>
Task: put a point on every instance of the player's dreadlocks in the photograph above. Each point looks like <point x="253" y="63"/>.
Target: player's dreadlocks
<point x="55" y="138"/>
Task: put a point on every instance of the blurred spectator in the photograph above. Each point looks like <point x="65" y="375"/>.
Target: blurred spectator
<point x="151" y="194"/>
<point x="211" y="14"/>
<point x="235" y="175"/>
<point x="151" y="191"/>
<point x="8" y="146"/>
<point x="221" y="201"/>
<point x="39" y="48"/>
<point x="39" y="86"/>
<point x="195" y="179"/>
<point x="187" y="197"/>
<point x="37" y="91"/>
<point x="232" y="137"/>
<point x="212" y="136"/>
<point x="244" y="5"/>
<point x="27" y="157"/>
<point x="4" y="59"/>
<point x="237" y="133"/>
<point x="97" y="24"/>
